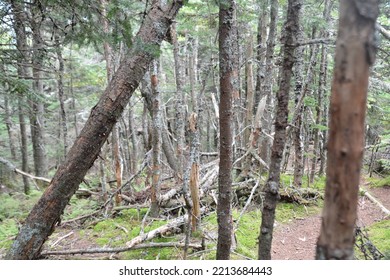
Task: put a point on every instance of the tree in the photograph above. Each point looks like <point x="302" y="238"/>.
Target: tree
<point x="291" y="28"/>
<point x="228" y="82"/>
<point x="47" y="212"/>
<point x="355" y="53"/>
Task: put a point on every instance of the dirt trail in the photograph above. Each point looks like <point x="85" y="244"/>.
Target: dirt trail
<point x="297" y="240"/>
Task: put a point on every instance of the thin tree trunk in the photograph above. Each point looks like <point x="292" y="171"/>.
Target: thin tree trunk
<point x="260" y="53"/>
<point x="249" y="90"/>
<point x="133" y="133"/>
<point x="321" y="91"/>
<point x="23" y="136"/>
<point x="8" y="123"/>
<point x="36" y="101"/>
<point x="21" y="44"/>
<point x="355" y="53"/>
<point x="297" y="130"/>
<point x="156" y="144"/>
<point x="291" y="27"/>
<point x="228" y="78"/>
<point x="267" y="85"/>
<point x="60" y="85"/>
<point x="180" y="112"/>
<point x="47" y="212"/>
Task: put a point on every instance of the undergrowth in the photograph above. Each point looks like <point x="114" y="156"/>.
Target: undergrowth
<point x="379" y="182"/>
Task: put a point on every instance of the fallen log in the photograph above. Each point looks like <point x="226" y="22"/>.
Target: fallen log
<point x="172" y="225"/>
<point x="375" y="201"/>
<point x="119" y="249"/>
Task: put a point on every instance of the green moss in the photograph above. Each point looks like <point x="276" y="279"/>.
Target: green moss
<point x="78" y="207"/>
<point x="17" y="206"/>
<point x="379" y="234"/>
<point x="379" y="182"/>
<point x="126" y="226"/>
<point x="319" y="182"/>
<point x="8" y="228"/>
<point x="247" y="233"/>
<point x="286" y="212"/>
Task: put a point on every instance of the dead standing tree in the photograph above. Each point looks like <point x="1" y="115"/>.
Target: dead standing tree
<point x="47" y="212"/>
<point x="355" y="53"/>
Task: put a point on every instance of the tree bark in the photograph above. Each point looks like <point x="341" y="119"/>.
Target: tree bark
<point x="21" y="44"/>
<point x="228" y="81"/>
<point x="297" y="130"/>
<point x="260" y="53"/>
<point x="60" y="85"/>
<point x="180" y="104"/>
<point x="291" y="27"/>
<point x="156" y="144"/>
<point x="355" y="53"/>
<point x="8" y="123"/>
<point x="47" y="212"/>
<point x="37" y="122"/>
<point x="268" y="81"/>
<point x="321" y="91"/>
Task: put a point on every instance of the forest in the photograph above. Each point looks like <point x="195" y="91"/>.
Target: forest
<point x="195" y="130"/>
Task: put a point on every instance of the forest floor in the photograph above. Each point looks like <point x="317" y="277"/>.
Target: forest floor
<point x="297" y="239"/>
<point x="293" y="240"/>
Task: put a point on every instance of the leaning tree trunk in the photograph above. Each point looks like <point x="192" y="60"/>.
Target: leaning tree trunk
<point x="355" y="53"/>
<point x="291" y="27"/>
<point x="47" y="212"/>
<point x="228" y="78"/>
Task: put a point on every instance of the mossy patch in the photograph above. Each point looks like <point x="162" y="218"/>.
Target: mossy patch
<point x="286" y="212"/>
<point x="379" y="234"/>
<point x="17" y="205"/>
<point x="126" y="226"/>
<point x="318" y="183"/>
<point x="379" y="182"/>
<point x="8" y="229"/>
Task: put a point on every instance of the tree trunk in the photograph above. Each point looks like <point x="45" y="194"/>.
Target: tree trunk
<point x="133" y="133"/>
<point x="180" y="105"/>
<point x="21" y="44"/>
<point x="156" y="144"/>
<point x="297" y="130"/>
<point x="321" y="90"/>
<point x="46" y="213"/>
<point x="355" y="53"/>
<point x="249" y="89"/>
<point x="8" y="123"/>
<point x="267" y="85"/>
<point x="291" y="27"/>
<point x="60" y="85"/>
<point x="260" y="53"/>
<point x="228" y="79"/>
<point x="36" y="100"/>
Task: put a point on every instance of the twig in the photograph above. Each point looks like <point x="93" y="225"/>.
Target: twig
<point x="247" y="202"/>
<point x="142" y="227"/>
<point x="61" y="238"/>
<point x="80" y="218"/>
<point x="122" y="228"/>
